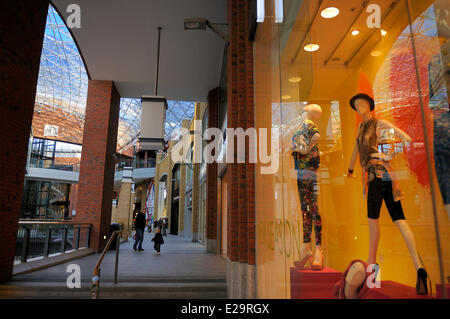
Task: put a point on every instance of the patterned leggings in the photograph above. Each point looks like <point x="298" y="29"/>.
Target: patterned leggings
<point x="308" y="201"/>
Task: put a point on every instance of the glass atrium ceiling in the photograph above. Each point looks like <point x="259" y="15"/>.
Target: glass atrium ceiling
<point x="63" y="83"/>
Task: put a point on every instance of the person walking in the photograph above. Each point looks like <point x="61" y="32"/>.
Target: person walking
<point x="164" y="227"/>
<point x="140" y="226"/>
<point x="155" y="224"/>
<point x="159" y="240"/>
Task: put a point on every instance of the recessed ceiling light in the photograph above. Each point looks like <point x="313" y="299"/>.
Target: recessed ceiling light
<point x="286" y="97"/>
<point x="383" y="32"/>
<point x="295" y="79"/>
<point x="329" y="12"/>
<point x="375" y="53"/>
<point x="355" y="32"/>
<point x="311" y="47"/>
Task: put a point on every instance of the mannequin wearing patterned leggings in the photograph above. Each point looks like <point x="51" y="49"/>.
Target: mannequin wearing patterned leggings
<point x="309" y="206"/>
<point x="307" y="160"/>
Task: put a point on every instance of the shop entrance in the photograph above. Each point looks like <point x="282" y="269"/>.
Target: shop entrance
<point x="174" y="218"/>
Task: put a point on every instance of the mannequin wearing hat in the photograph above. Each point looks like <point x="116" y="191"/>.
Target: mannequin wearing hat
<point x="381" y="181"/>
<point x="307" y="160"/>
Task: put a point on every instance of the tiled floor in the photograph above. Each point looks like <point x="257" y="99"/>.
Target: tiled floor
<point x="180" y="259"/>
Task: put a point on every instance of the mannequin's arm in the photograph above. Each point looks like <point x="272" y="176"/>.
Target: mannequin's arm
<point x="398" y="133"/>
<point x="353" y="160"/>
<point x="308" y="148"/>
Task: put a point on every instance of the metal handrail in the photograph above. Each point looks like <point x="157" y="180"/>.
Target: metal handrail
<point x="42" y="222"/>
<point x="96" y="272"/>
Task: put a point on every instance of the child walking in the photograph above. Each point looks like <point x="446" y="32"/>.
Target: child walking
<point x="158" y="239"/>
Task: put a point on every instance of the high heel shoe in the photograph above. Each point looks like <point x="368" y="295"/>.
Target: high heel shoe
<point x="421" y="284"/>
<point x="301" y="264"/>
<point x="318" y="264"/>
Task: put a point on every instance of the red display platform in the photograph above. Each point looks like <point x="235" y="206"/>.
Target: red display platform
<point x="313" y="284"/>
<point x="394" y="290"/>
<point x="310" y="284"/>
<point x="439" y="291"/>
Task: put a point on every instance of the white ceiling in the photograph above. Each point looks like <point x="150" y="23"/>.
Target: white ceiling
<point x="118" y="40"/>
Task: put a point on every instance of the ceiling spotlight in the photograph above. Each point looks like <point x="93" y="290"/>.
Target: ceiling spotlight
<point x="286" y="97"/>
<point x="295" y="79"/>
<point x="355" y="32"/>
<point x="375" y="53"/>
<point x="383" y="32"/>
<point x="311" y="47"/>
<point x="329" y="12"/>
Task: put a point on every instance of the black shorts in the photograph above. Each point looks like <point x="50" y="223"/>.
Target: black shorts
<point x="380" y="189"/>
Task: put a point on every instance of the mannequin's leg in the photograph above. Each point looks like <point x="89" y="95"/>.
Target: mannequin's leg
<point x="374" y="238"/>
<point x="408" y="236"/>
<point x="307" y="226"/>
<point x="306" y="250"/>
<point x="317" y="220"/>
<point x="305" y="203"/>
<point x="354" y="280"/>
<point x="374" y="201"/>
<point x="396" y="211"/>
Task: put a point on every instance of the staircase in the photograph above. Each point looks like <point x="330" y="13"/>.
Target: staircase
<point x="132" y="288"/>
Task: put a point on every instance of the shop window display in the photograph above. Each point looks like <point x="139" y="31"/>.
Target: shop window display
<point x="359" y="205"/>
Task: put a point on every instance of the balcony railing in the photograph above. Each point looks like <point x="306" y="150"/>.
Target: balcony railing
<point x="43" y="238"/>
<point x="149" y="163"/>
<point x="44" y="163"/>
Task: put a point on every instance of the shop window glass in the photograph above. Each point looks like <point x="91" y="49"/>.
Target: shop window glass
<point x="311" y="204"/>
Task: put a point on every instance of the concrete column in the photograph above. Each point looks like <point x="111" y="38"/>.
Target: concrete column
<point x="97" y="160"/>
<point x="121" y="214"/>
<point x="21" y="37"/>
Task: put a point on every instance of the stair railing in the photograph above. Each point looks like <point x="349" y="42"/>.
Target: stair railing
<point x="96" y="273"/>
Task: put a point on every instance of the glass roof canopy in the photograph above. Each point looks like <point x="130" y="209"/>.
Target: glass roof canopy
<point x="62" y="80"/>
<point x="63" y="83"/>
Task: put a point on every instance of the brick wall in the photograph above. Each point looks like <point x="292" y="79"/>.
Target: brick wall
<point x="21" y="37"/>
<point x="211" y="169"/>
<point x="98" y="159"/>
<point x="241" y="186"/>
<point x="70" y="126"/>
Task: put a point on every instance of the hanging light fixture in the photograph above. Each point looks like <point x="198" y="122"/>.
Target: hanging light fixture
<point x="151" y="136"/>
